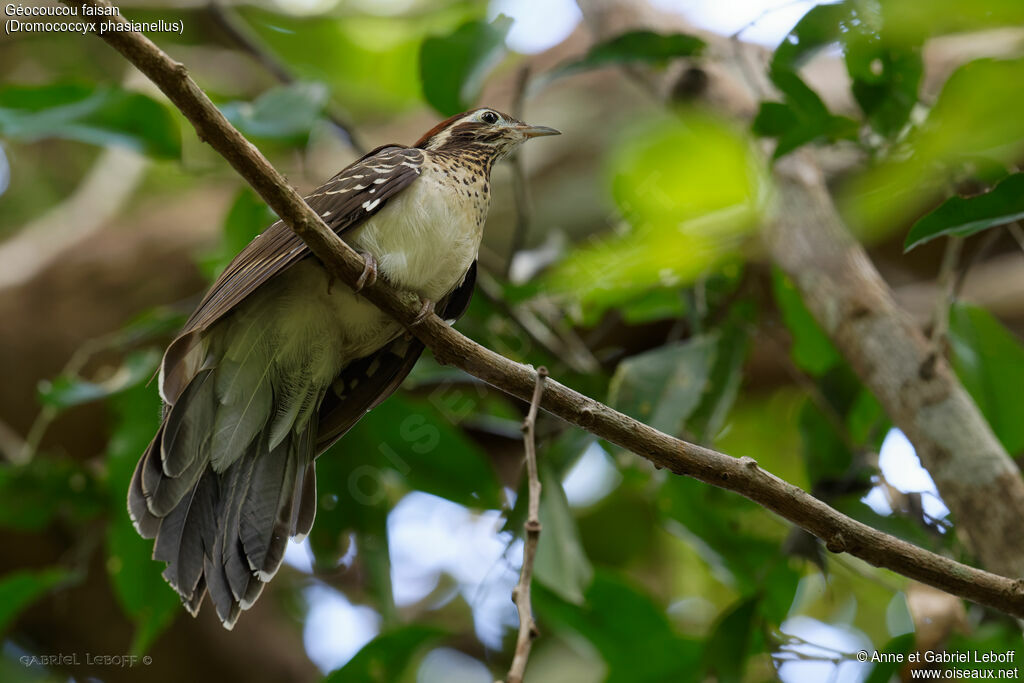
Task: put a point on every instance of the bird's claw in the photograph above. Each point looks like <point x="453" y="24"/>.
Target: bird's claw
<point x="369" y="274"/>
<point x="426" y="309"/>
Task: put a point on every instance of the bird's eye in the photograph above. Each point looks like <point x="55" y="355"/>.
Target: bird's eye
<point x="489" y="117"/>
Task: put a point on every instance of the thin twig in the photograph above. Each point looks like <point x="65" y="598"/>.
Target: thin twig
<point x="249" y="43"/>
<point x="521" y="595"/>
<point x="947" y="290"/>
<point x="520" y="190"/>
<point x="741" y="475"/>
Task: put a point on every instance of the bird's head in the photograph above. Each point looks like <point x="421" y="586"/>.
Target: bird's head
<point x="485" y="130"/>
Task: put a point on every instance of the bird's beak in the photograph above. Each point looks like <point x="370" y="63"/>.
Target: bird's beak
<point x="537" y="131"/>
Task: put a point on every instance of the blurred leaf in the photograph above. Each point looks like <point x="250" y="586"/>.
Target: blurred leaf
<point x="463" y="475"/>
<point x="885" y="79"/>
<point x="812" y="350"/>
<point x="728" y="646"/>
<point x="152" y="323"/>
<point x="632" y="634"/>
<point x="91" y="114"/>
<point x="655" y="304"/>
<point x="801" y="119"/>
<point x="912" y="21"/>
<point x="662" y="387"/>
<point x="885" y="71"/>
<point x="735" y="539"/>
<point x="387" y="657"/>
<point x="370" y="62"/>
<point x="65" y="392"/>
<point x="689" y="213"/>
<point x="732" y="347"/>
<point x="453" y="67"/>
<point x="21" y="588"/>
<point x="990" y="362"/>
<point x="992" y="636"/>
<point x="34" y="493"/>
<point x="136" y="578"/>
<point x="818" y="28"/>
<point x="824" y="452"/>
<point x="631" y="47"/>
<point x="248" y="217"/>
<point x="968" y="122"/>
<point x="402" y="444"/>
<point x="561" y="564"/>
<point x="964" y="216"/>
<point x="622" y="529"/>
<point x="285" y="112"/>
<point x="884" y="671"/>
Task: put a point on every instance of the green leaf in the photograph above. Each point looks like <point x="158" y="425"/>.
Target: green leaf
<point x="802" y="119"/>
<point x="632" y="634"/>
<point x="561" y="563"/>
<point x="387" y="657"/>
<point x="664" y="386"/>
<point x="812" y="350"/>
<point x="818" y="28"/>
<point x="428" y="451"/>
<point x="286" y="113"/>
<point x="885" y="77"/>
<point x="728" y="647"/>
<point x="732" y="347"/>
<point x="990" y="362"/>
<point x="402" y="444"/>
<point x="884" y="671"/>
<point x="632" y="47"/>
<point x="65" y="392"/>
<point x="453" y="67"/>
<point x="968" y="121"/>
<point x="21" y="588"/>
<point x="95" y="115"/>
<point x="822" y="447"/>
<point x="136" y="578"/>
<point x="735" y="540"/>
<point x="34" y="493"/>
<point x="964" y="216"/>
<point x="689" y="214"/>
<point x="248" y="217"/>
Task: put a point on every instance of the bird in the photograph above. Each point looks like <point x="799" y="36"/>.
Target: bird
<point x="278" y="362"/>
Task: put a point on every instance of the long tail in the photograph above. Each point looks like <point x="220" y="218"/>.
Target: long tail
<point x="222" y="491"/>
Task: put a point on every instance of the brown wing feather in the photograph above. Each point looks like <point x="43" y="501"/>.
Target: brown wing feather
<point x="349" y="198"/>
<point x="345" y="201"/>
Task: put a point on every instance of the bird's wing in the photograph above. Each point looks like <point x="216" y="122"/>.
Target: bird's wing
<point x="344" y="202"/>
<point x="364" y="383"/>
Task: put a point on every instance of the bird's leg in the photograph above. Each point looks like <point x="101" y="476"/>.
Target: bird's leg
<point x="426" y="308"/>
<point x="369" y="274"/>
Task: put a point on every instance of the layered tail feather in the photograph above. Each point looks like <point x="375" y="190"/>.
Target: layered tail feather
<point x="222" y="523"/>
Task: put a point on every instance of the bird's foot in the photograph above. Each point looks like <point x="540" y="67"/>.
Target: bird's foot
<point x="426" y="309"/>
<point x="369" y="274"/>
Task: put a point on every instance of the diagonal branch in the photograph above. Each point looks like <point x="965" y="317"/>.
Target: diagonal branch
<point x="742" y="475"/>
<point x="521" y="594"/>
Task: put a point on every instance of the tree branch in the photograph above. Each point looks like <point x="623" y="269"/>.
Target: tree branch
<point x="742" y="475"/>
<point x="913" y="382"/>
<point x="521" y="594"/>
